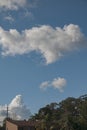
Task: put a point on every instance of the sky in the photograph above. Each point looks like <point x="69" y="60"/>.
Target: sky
<point x="43" y="53"/>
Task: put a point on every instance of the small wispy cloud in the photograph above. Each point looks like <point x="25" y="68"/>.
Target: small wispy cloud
<point x="28" y="14"/>
<point x="51" y="43"/>
<point x="17" y="109"/>
<point x="9" y="18"/>
<point x="44" y="85"/>
<point x="57" y="83"/>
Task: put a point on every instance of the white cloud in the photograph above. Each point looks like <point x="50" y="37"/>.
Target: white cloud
<point x="58" y="83"/>
<point x="52" y="43"/>
<point x="12" y="4"/>
<point x="17" y="109"/>
<point x="29" y="15"/>
<point x="44" y="85"/>
<point x="9" y="18"/>
<point x="17" y="4"/>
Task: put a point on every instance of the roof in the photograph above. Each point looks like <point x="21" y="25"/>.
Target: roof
<point x="22" y="122"/>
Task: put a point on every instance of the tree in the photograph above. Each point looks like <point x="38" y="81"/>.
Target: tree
<point x="69" y="114"/>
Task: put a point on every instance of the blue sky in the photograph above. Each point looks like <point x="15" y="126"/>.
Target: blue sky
<point x="43" y="51"/>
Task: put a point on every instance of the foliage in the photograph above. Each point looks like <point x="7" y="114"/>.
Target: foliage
<point x="69" y="114"/>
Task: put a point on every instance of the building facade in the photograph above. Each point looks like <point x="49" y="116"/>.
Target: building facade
<point x="19" y="125"/>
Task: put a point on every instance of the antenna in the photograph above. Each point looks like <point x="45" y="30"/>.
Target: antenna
<point x="7" y="112"/>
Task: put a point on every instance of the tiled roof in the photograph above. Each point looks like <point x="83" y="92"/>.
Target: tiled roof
<point x="22" y="122"/>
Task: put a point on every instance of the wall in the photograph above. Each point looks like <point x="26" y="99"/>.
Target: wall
<point x="10" y="126"/>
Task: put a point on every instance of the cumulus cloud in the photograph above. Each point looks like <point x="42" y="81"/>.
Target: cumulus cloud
<point x="17" y="4"/>
<point x="17" y="109"/>
<point x="51" y="43"/>
<point x="57" y="83"/>
<point x="12" y="4"/>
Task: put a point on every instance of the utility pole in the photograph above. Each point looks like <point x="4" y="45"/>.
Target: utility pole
<point x="7" y="112"/>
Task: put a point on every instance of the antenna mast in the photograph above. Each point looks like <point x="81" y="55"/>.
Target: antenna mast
<point x="7" y="111"/>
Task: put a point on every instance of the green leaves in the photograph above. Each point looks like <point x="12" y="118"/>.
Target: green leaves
<point x="69" y="114"/>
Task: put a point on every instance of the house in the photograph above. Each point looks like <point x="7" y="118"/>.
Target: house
<point x="19" y="125"/>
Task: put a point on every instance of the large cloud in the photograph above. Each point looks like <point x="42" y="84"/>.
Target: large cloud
<point x="57" y="83"/>
<point x="52" y="43"/>
<point x="12" y="4"/>
<point x="17" y="109"/>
